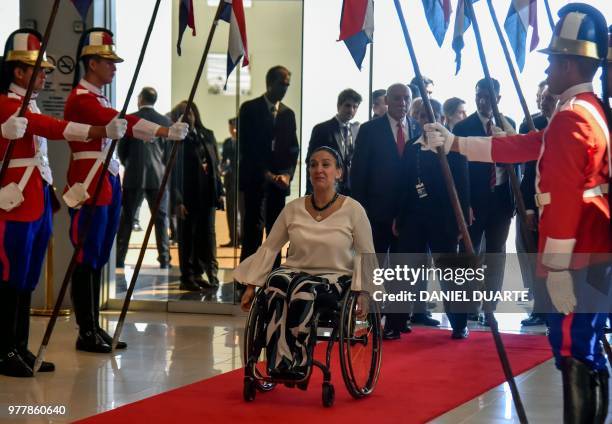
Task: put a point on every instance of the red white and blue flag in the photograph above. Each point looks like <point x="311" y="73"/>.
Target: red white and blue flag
<point x="522" y="15"/>
<point x="186" y="19"/>
<point x="82" y="7"/>
<point x="462" y="23"/>
<point x="237" y="48"/>
<point x="438" y="13"/>
<point x="357" y="27"/>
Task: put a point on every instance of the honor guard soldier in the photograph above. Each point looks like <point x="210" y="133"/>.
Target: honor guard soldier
<point x="87" y="104"/>
<point x="573" y="172"/>
<point x="27" y="196"/>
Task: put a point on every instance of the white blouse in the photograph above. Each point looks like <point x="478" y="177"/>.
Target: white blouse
<point x="331" y="246"/>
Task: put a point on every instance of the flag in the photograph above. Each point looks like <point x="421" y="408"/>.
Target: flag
<point x="522" y="15"/>
<point x="462" y="23"/>
<point x="233" y="13"/>
<point x="437" y="13"/>
<point x="82" y="6"/>
<point x="186" y="19"/>
<point x="357" y="27"/>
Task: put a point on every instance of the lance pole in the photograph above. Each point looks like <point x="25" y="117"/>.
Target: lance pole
<point x="520" y="203"/>
<point x="164" y="182"/>
<point x="446" y="172"/>
<point x="88" y="220"/>
<point x="551" y="21"/>
<point x="30" y="90"/>
<point x="518" y="404"/>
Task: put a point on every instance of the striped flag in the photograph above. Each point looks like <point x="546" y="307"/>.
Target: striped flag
<point x="357" y="27"/>
<point x="462" y="23"/>
<point x="82" y="6"/>
<point x="522" y="15"/>
<point x="186" y="19"/>
<point x="233" y="13"/>
<point x="437" y="13"/>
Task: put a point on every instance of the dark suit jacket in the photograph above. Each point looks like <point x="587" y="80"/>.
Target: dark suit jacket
<point x="144" y="162"/>
<point x="529" y="174"/>
<point x="328" y="134"/>
<point x="480" y="173"/>
<point x="436" y="205"/>
<point x="266" y="144"/>
<point x="376" y="168"/>
<point x="191" y="186"/>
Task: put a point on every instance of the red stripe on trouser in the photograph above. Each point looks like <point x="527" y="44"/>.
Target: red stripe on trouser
<point x="6" y="266"/>
<point x="75" y="234"/>
<point x="566" y="335"/>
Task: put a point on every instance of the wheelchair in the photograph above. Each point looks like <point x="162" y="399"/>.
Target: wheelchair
<point x="359" y="341"/>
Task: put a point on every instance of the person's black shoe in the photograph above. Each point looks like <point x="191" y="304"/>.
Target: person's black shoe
<point x="109" y="340"/>
<point x="91" y="341"/>
<point x="406" y="328"/>
<point x="473" y="317"/>
<point x="228" y="244"/>
<point x="190" y="285"/>
<point x="136" y="227"/>
<point x="534" y="319"/>
<point x="460" y="334"/>
<point x="424" y="319"/>
<point x="13" y="365"/>
<point x="391" y="335"/>
<point x="29" y="358"/>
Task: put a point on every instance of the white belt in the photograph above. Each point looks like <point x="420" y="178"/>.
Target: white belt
<point x="543" y="199"/>
<point x="98" y="156"/>
<point x="29" y="164"/>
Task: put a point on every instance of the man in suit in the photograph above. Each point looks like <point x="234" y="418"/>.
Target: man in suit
<point x="491" y="197"/>
<point x="268" y="152"/>
<point x="338" y="133"/>
<point x="145" y="163"/>
<point x="547" y="104"/>
<point x="379" y="107"/>
<point x="425" y="222"/>
<point x="228" y="170"/>
<point x="376" y="171"/>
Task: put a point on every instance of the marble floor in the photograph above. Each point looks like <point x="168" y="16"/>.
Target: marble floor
<point x="169" y="350"/>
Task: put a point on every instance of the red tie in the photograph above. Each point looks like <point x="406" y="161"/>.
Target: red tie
<point x="493" y="176"/>
<point x="401" y="141"/>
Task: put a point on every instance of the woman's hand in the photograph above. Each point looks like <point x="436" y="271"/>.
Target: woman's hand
<point x="362" y="306"/>
<point x="247" y="298"/>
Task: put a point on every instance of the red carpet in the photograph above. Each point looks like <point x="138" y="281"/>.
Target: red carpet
<point x="424" y="375"/>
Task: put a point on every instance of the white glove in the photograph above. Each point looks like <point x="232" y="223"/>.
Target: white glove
<point x="437" y="135"/>
<point x="508" y="129"/>
<point x="178" y="131"/>
<point x="14" y="127"/>
<point x="560" y="287"/>
<point x="116" y="128"/>
<point x="497" y="132"/>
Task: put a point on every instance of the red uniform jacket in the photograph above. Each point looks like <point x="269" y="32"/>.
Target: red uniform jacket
<point x="38" y="125"/>
<point x="572" y="179"/>
<point x="86" y="104"/>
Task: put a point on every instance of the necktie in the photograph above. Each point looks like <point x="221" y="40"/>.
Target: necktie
<point x="345" y="140"/>
<point x="273" y="112"/>
<point x="493" y="175"/>
<point x="400" y="139"/>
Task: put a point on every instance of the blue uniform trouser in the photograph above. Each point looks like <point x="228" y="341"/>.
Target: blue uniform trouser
<point x="101" y="235"/>
<point x="578" y="334"/>
<point x="22" y="251"/>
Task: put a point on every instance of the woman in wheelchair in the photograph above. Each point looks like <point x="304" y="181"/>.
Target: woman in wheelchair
<point x="326" y="231"/>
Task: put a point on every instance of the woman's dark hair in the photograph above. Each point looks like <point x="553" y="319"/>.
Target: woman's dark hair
<point x="179" y="110"/>
<point x="333" y="152"/>
<point x="451" y="105"/>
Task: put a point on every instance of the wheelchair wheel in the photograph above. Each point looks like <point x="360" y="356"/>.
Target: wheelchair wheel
<point x="253" y="348"/>
<point x="360" y="343"/>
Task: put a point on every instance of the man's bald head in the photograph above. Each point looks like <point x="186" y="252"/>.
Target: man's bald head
<point x="398" y="100"/>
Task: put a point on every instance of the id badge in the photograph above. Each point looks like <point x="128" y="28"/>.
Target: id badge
<point x="420" y="188"/>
